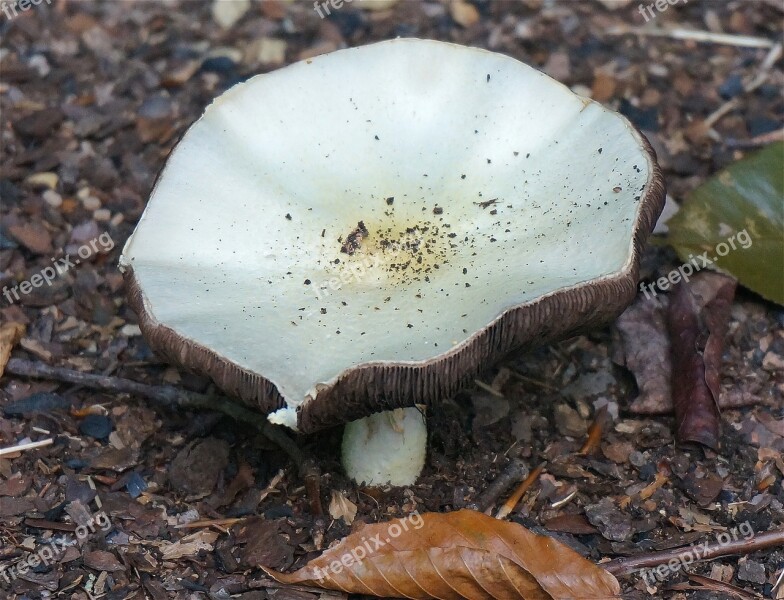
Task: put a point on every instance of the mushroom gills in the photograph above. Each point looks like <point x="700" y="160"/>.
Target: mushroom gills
<point x="386" y="447"/>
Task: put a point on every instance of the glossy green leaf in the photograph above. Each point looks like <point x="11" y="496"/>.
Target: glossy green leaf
<point x="738" y="213"/>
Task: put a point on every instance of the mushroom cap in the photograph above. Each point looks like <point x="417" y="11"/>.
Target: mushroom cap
<point x="367" y="229"/>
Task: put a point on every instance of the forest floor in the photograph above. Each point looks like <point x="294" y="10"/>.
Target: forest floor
<point x="93" y="98"/>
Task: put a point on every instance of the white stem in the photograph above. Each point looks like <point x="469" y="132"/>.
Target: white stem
<point x="386" y="448"/>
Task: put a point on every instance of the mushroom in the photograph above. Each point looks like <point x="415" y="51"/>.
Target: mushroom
<point x="363" y="231"/>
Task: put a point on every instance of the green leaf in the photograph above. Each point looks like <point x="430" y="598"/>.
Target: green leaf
<point x="739" y="212"/>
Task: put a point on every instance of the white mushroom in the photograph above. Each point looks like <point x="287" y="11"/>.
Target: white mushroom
<point x="364" y="230"/>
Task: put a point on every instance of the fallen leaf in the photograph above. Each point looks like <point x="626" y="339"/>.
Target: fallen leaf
<point x="341" y="507"/>
<point x="738" y="212"/>
<point x="190" y="545"/>
<point x="697" y="320"/>
<point x="100" y="560"/>
<point x="33" y="236"/>
<point x="643" y="347"/>
<point x="10" y="507"/>
<point x="10" y="334"/>
<point x="488" y="409"/>
<point x="575" y="524"/>
<point x="265" y="544"/>
<point x="771" y="424"/>
<point x="196" y="468"/>
<point x="610" y="520"/>
<point x="458" y="555"/>
<point x="16" y="485"/>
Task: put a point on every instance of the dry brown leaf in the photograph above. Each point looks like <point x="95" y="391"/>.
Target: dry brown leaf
<point x="10" y="334"/>
<point x="190" y="545"/>
<point x="698" y="318"/>
<point x="341" y="507"/>
<point x="454" y="556"/>
<point x="643" y="347"/>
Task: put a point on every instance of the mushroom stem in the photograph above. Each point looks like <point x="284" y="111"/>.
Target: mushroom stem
<point x="386" y="447"/>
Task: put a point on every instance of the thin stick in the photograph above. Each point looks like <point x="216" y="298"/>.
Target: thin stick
<point x="779" y="581"/>
<point x="514" y="472"/>
<point x="211" y="522"/>
<point x="171" y="396"/>
<point x="760" y="140"/>
<point x="536" y="382"/>
<point x="594" y="433"/>
<point x="488" y="388"/>
<point x="162" y="394"/>
<point x="749" y="86"/>
<point x="629" y="564"/>
<point x="272" y="485"/>
<point x="28" y="446"/>
<point x="706" y="583"/>
<point x="512" y="501"/>
<point x="744" y="41"/>
<point x="312" y="476"/>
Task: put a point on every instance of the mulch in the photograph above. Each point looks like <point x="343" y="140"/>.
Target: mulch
<point x="93" y="98"/>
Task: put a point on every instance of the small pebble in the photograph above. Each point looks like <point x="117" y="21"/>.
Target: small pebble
<point x="91" y="203"/>
<point x="637" y="459"/>
<point x="52" y="198"/>
<point x="731" y="87"/>
<point x="569" y="422"/>
<point x="96" y="426"/>
<point x="752" y="571"/>
<point x="130" y="330"/>
<point x="135" y="485"/>
<point x="102" y="215"/>
<point x="271" y="51"/>
<point x="46" y="180"/>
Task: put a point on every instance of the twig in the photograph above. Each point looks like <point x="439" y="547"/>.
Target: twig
<point x="749" y="86"/>
<point x="706" y="583"/>
<point x="514" y="472"/>
<point x="272" y="485"/>
<point x="629" y="564"/>
<point x="312" y="476"/>
<point x="594" y="433"/>
<point x="536" y="382"/>
<point x="717" y="114"/>
<point x="760" y="140"/>
<point x="169" y="396"/>
<point x="162" y="394"/>
<point x="512" y="501"/>
<point x="28" y="446"/>
<point x="488" y="388"/>
<point x="779" y="581"/>
<point x="676" y="33"/>
<point x="211" y="522"/>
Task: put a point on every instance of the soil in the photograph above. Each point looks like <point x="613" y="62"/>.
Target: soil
<point x="95" y="95"/>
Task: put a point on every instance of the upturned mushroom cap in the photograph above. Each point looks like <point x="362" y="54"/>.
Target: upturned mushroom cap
<point x="367" y="229"/>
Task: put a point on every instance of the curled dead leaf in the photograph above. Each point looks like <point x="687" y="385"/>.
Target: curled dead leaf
<point x="10" y="334"/>
<point x="340" y="507"/>
<point x="454" y="556"/>
<point x="697" y="320"/>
